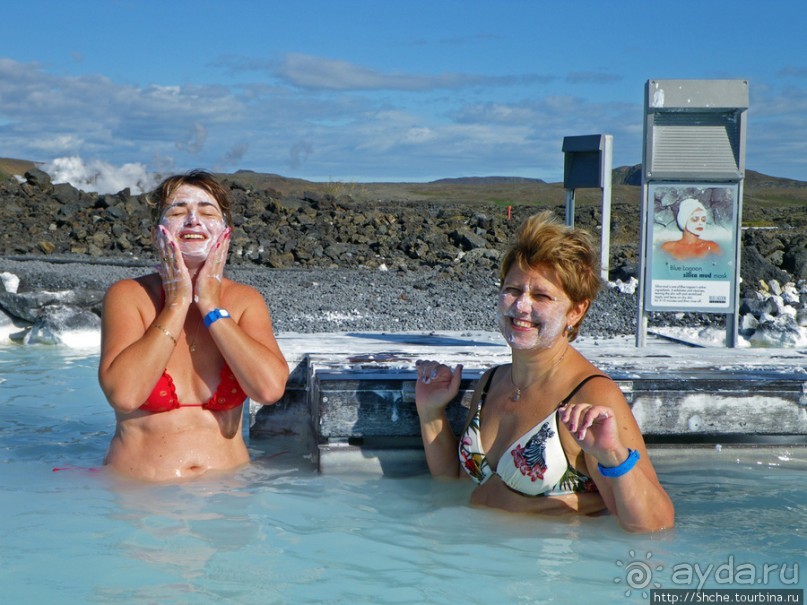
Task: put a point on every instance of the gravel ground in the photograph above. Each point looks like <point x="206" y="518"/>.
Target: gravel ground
<point x="342" y="300"/>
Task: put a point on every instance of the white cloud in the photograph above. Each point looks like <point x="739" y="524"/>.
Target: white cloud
<point x="58" y="144"/>
<point x="419" y="135"/>
<point x="326" y="117"/>
<point x="236" y="152"/>
<point x="196" y="139"/>
<point x="592" y="77"/>
<point x="328" y="74"/>
<point x="299" y="152"/>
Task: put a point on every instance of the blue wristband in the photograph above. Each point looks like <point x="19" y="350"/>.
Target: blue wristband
<point x="622" y="469"/>
<point x="215" y="315"/>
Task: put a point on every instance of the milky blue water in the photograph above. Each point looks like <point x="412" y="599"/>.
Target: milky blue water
<point x="278" y="532"/>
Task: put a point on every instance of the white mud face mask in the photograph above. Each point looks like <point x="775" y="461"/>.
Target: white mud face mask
<point x="547" y="326"/>
<point x="195" y="220"/>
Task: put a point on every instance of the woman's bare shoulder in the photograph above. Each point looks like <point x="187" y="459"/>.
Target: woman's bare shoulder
<point x="137" y="287"/>
<point x="241" y="291"/>
<point x="594" y="383"/>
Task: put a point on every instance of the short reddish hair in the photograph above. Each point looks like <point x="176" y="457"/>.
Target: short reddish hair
<point x="542" y="240"/>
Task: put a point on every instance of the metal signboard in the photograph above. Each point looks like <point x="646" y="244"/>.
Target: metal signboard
<point x="692" y="184"/>
<point x="691" y="258"/>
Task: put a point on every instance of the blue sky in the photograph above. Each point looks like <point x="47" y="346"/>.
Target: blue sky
<point x="381" y="90"/>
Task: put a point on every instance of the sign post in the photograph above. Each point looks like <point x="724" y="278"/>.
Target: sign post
<point x="692" y="178"/>
<point x="587" y="162"/>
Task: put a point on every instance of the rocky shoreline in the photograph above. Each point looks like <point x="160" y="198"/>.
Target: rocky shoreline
<point x="310" y="300"/>
<point x="52" y="297"/>
<point x="312" y="230"/>
<point x="333" y="265"/>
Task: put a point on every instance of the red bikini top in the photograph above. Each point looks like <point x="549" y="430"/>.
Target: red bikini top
<point x="228" y="395"/>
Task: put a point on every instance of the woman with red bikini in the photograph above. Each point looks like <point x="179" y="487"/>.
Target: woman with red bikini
<point x="182" y="349"/>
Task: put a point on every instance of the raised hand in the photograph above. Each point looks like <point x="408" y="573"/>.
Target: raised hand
<point x="594" y="427"/>
<point x="437" y="384"/>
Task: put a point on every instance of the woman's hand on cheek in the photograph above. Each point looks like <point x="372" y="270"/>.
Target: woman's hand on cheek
<point x="173" y="272"/>
<point x="207" y="293"/>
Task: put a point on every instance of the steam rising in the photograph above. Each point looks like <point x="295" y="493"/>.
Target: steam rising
<point x="101" y="177"/>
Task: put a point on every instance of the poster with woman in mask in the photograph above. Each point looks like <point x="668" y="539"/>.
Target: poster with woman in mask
<point x="692" y="252"/>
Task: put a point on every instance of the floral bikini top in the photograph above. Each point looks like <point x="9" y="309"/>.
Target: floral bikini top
<point x="228" y="395"/>
<point x="535" y="465"/>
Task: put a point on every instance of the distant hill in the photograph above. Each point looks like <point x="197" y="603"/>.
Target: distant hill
<point x="9" y="166"/>
<point x="758" y="180"/>
<point x="760" y="190"/>
<point x="627" y="175"/>
<point x="632" y="175"/>
<point x="486" y="180"/>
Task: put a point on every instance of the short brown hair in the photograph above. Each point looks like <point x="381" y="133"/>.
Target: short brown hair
<point x="158" y="198"/>
<point x="568" y="251"/>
